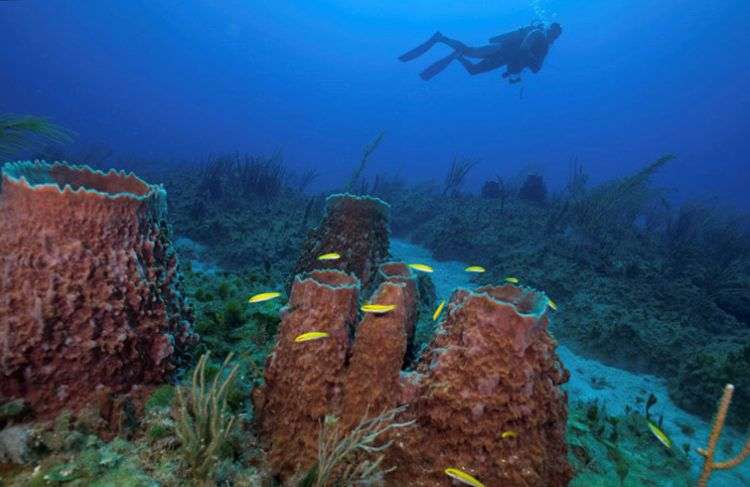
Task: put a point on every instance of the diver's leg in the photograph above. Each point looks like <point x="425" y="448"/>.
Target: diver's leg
<point x="475" y="52"/>
<point x="422" y="48"/>
<point x="438" y="66"/>
<point x="483" y="66"/>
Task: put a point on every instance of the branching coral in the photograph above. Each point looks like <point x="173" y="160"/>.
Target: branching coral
<point x="709" y="465"/>
<point x="607" y="213"/>
<point x="366" y="153"/>
<point x="354" y="459"/>
<point x="617" y="202"/>
<point x="203" y="424"/>
<point x="24" y="132"/>
<point x="246" y="176"/>
<point x="456" y="175"/>
<point x="260" y="176"/>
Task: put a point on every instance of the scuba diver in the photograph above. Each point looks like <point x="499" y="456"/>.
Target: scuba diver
<point x="523" y="48"/>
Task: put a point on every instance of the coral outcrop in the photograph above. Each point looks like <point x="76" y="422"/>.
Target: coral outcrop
<point x="356" y="227"/>
<point x="533" y="189"/>
<point x="485" y="396"/>
<point x="89" y="291"/>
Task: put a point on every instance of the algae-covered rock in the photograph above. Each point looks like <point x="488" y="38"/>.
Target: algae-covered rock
<point x="16" y="444"/>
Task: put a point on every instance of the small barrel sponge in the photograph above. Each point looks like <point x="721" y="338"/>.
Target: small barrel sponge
<point x="89" y="294"/>
<point x="372" y="381"/>
<point x="356" y="227"/>
<point x="491" y="369"/>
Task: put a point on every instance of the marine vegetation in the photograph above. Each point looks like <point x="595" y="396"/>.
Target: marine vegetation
<point x="354" y="458"/>
<point x="207" y="430"/>
<point x="356" y="180"/>
<point x="203" y="423"/>
<point x="20" y="133"/>
<point x="459" y="169"/>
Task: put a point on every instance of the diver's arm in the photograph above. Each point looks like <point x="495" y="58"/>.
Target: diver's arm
<point x="501" y="38"/>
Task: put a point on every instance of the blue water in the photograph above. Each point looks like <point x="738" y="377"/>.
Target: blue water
<point x="627" y="81"/>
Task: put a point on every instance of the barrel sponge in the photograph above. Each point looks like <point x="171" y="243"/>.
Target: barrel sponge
<point x="89" y="288"/>
<point x="355" y="227"/>
<point x="303" y="380"/>
<point x="490" y="369"/>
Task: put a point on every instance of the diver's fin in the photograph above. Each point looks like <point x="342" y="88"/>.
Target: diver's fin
<point x="438" y="66"/>
<point x="421" y="49"/>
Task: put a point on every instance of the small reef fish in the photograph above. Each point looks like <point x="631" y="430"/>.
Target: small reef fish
<point x="421" y="267"/>
<point x="660" y="435"/>
<point x="511" y="280"/>
<point x="378" y="309"/>
<point x="259" y="298"/>
<point x="475" y="268"/>
<point x="329" y="256"/>
<point x="552" y="304"/>
<point x="508" y="434"/>
<point x="438" y="310"/>
<point x="311" y="335"/>
<point x="463" y="477"/>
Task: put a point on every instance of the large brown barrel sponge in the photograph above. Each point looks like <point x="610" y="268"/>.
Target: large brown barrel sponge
<point x="89" y="294"/>
<point x="303" y="380"/>
<point x="356" y="227"/>
<point x="490" y="369"/>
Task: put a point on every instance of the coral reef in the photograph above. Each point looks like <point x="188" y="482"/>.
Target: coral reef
<point x="491" y="370"/>
<point x="607" y="450"/>
<point x="637" y="292"/>
<point x="356" y="228"/>
<point x="89" y="301"/>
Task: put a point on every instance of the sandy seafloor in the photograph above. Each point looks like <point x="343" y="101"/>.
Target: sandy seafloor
<point x="622" y="387"/>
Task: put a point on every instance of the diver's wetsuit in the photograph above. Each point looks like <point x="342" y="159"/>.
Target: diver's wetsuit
<point x="525" y="47"/>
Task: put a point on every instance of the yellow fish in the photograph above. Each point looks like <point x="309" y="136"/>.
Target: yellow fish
<point x="552" y="304"/>
<point x="421" y="267"/>
<point x="660" y="435"/>
<point x="511" y="280"/>
<point x="508" y="434"/>
<point x="475" y="268"/>
<point x="311" y="335"/>
<point x="463" y="477"/>
<point x="438" y="310"/>
<point x="259" y="298"/>
<point x="378" y="309"/>
<point x="329" y="256"/>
